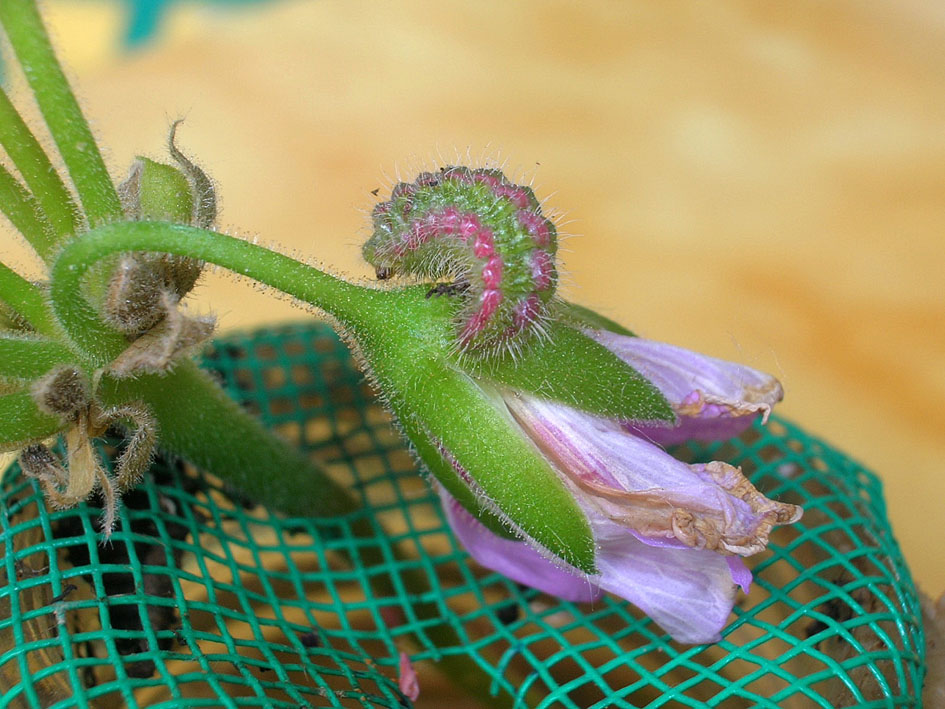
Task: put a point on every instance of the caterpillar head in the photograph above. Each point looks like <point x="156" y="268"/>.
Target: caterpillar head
<point x="483" y="232"/>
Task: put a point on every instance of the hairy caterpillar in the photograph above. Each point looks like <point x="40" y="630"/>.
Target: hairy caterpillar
<point x="484" y="232"/>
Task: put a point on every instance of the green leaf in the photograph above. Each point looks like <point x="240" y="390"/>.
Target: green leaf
<point x="30" y="357"/>
<point x="24" y="213"/>
<point x="27" y="301"/>
<point x="21" y="422"/>
<point x="34" y="165"/>
<point x="571" y="368"/>
<point x="60" y="109"/>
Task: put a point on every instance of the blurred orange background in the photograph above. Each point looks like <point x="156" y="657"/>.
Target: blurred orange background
<point x="764" y="183"/>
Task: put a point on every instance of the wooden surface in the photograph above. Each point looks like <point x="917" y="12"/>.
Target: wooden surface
<point x="764" y="183"/>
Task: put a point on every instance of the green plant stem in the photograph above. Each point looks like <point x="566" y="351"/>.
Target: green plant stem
<point x="40" y="176"/>
<point x="199" y="422"/>
<point x="21" y="422"/>
<point x="27" y="301"/>
<point x="24" y="213"/>
<point x="60" y="110"/>
<point x="351" y="305"/>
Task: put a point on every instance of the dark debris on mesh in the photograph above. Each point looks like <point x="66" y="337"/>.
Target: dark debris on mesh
<point x="201" y="594"/>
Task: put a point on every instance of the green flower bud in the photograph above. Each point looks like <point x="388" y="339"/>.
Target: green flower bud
<point x="143" y="287"/>
<point x="155" y="191"/>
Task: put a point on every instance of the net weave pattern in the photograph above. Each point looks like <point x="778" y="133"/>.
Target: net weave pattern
<point x="204" y="599"/>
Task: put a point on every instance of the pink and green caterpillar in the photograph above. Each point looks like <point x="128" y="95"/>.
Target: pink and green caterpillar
<point x="485" y="233"/>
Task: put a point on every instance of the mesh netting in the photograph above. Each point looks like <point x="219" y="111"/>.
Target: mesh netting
<point x="204" y="599"/>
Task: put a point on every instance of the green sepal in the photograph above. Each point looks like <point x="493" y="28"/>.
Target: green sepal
<point x="579" y="316"/>
<point x="505" y="465"/>
<point x="21" y="421"/>
<point x="26" y="357"/>
<point x="437" y="403"/>
<point x="443" y="471"/>
<point x="569" y="367"/>
<point x="159" y="192"/>
<point x="8" y="319"/>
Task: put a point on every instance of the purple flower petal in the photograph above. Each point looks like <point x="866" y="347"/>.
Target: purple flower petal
<point x="741" y="575"/>
<point x="515" y="559"/>
<point x="718" y="428"/>
<point x="713" y="398"/>
<point x="688" y="593"/>
<point x="625" y="479"/>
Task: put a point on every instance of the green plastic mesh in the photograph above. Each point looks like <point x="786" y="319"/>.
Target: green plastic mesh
<point x="204" y="599"/>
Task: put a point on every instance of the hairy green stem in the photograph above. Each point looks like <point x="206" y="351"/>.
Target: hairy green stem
<point x="199" y="422"/>
<point x="38" y="172"/>
<point x="351" y="305"/>
<point x="60" y="110"/>
<point x="24" y="213"/>
<point x="27" y="301"/>
<point x="196" y="418"/>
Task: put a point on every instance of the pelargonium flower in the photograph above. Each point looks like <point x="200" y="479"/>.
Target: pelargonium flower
<point x="540" y="419"/>
<point x="668" y="536"/>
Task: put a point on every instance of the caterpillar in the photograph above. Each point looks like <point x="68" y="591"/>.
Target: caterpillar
<point x="485" y="233"/>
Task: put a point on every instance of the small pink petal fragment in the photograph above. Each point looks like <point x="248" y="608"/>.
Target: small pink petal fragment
<point x="408" y="678"/>
<point x="392" y="617"/>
